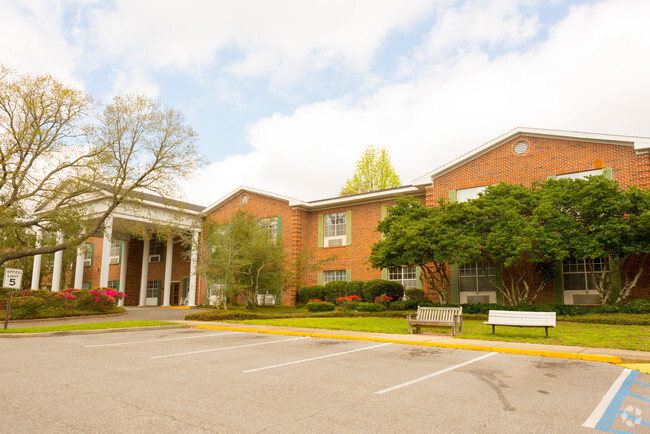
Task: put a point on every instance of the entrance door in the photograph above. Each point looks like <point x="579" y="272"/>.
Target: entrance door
<point x="175" y="296"/>
<point x="153" y="293"/>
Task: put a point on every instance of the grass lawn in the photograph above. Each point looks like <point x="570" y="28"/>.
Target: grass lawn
<point x="87" y="326"/>
<point x="628" y="337"/>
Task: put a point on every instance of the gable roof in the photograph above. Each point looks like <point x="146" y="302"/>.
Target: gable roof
<point x="641" y="144"/>
<point x="243" y="189"/>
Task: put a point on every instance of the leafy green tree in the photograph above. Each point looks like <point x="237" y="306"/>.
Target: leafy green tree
<point x="242" y="256"/>
<point x="429" y="238"/>
<point x="602" y="223"/>
<point x="373" y="172"/>
<point x="56" y="152"/>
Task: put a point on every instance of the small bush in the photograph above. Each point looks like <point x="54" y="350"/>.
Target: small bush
<point x="414" y="294"/>
<point x="334" y="290"/>
<point x="398" y="305"/>
<point x="375" y="288"/>
<point x="307" y="293"/>
<point x="319" y="306"/>
<point x="636" y="306"/>
<point x="354" y="287"/>
<point x="607" y="308"/>
<point x="366" y="307"/>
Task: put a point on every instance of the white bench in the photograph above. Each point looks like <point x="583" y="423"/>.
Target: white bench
<point x="437" y="316"/>
<point x="521" y="319"/>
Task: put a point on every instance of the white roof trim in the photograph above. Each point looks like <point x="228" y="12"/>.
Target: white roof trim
<point x="639" y="143"/>
<point x="357" y="198"/>
<point x="243" y="188"/>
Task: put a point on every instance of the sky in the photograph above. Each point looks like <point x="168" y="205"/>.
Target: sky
<point x="285" y="95"/>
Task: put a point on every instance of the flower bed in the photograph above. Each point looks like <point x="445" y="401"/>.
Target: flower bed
<point x="69" y="302"/>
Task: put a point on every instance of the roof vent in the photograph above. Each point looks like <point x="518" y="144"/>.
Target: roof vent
<point x="520" y="148"/>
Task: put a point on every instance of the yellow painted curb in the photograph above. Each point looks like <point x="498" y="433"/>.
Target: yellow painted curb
<point x="176" y="307"/>
<point x="542" y="353"/>
<point x="642" y="367"/>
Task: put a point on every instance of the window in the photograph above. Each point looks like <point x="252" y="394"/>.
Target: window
<point x="581" y="175"/>
<point x="331" y="276"/>
<point x="116" y="251"/>
<point x="404" y="275"/>
<point x="335" y="229"/>
<point x="155" y="250"/>
<point x="88" y="254"/>
<point x="576" y="274"/>
<point x="114" y="284"/>
<point x="85" y="285"/>
<point x="477" y="277"/>
<point x="469" y="193"/>
<point x="271" y="225"/>
<point x="153" y="288"/>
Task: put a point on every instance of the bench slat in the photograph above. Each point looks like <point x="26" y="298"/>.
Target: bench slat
<point x="521" y="319"/>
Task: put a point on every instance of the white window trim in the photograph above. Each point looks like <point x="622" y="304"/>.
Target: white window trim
<point x="412" y="281"/>
<point x="115" y="259"/>
<point x="570" y="293"/>
<point x="580" y="175"/>
<point x="466" y="194"/>
<point x="334" y="280"/>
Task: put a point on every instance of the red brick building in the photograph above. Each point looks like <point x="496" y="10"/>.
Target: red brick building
<point x="344" y="228"/>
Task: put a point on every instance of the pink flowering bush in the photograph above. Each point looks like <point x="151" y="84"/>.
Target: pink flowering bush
<point x="69" y="302"/>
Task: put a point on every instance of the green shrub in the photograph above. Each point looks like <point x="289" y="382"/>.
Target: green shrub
<point x="398" y="305"/>
<point x="354" y="287"/>
<point x="636" y="306"/>
<point x="307" y="293"/>
<point x="366" y="307"/>
<point x="607" y="308"/>
<point x="375" y="288"/>
<point x="320" y="306"/>
<point x="334" y="290"/>
<point x="414" y="294"/>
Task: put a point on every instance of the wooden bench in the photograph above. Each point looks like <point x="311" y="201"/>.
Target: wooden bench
<point x="521" y="319"/>
<point x="437" y="316"/>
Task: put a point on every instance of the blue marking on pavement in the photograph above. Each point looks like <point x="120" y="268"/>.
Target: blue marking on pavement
<point x="642" y="384"/>
<point x="608" y="419"/>
<point x="635" y="419"/>
<point x="643" y="398"/>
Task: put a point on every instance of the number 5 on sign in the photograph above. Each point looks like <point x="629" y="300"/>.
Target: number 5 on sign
<point x="13" y="278"/>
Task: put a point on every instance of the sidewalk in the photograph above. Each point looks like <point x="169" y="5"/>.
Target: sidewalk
<point x="639" y="360"/>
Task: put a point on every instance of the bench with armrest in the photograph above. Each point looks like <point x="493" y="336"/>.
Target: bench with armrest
<point x="521" y="319"/>
<point x="437" y="316"/>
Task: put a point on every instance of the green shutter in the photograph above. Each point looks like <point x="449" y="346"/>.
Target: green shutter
<point x="279" y="226"/>
<point x="452" y="195"/>
<point x="384" y="273"/>
<point x="455" y="293"/>
<point x="558" y="290"/>
<point x="348" y="275"/>
<point x="320" y="230"/>
<point x="348" y="228"/>
<point x="320" y="277"/>
<point x="418" y="277"/>
<point x="384" y="211"/>
<point x="607" y="173"/>
<point x="159" y="285"/>
<point x="185" y="281"/>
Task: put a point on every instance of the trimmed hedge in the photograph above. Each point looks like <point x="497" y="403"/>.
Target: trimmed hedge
<point x="365" y="307"/>
<point x="414" y="294"/>
<point x="378" y="287"/>
<point x="354" y="287"/>
<point x="320" y="306"/>
<point x="307" y="293"/>
<point x="334" y="290"/>
<point x="636" y="306"/>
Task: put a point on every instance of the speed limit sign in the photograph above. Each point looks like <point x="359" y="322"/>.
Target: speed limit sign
<point x="13" y="278"/>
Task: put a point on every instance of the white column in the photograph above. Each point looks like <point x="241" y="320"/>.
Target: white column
<point x="79" y="268"/>
<point x="106" y="252"/>
<point x="145" y="270"/>
<point x="168" y="271"/>
<point x="125" y="257"/>
<point x="58" y="263"/>
<point x="192" y="292"/>
<point x="36" y="271"/>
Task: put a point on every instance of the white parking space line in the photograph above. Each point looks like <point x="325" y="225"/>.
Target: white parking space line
<point x="229" y="348"/>
<point x="314" y="358"/>
<point x="599" y="411"/>
<point x="162" y="340"/>
<point x="426" y="377"/>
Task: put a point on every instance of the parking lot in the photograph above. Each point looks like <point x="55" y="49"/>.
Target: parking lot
<point x="193" y="380"/>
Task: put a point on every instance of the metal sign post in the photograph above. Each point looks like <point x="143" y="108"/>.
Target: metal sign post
<point x="12" y="280"/>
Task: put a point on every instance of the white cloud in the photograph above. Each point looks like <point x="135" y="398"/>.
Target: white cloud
<point x="590" y="75"/>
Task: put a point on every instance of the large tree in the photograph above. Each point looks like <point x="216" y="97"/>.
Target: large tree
<point x="242" y="257"/>
<point x="373" y="172"/>
<point x="58" y="149"/>
<point x="429" y="238"/>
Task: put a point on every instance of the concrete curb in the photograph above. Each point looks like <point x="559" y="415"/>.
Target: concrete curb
<point x="91" y="332"/>
<point x="528" y="352"/>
